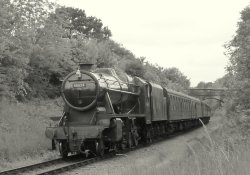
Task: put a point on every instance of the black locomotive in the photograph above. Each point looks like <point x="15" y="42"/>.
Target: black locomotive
<point x="102" y="112"/>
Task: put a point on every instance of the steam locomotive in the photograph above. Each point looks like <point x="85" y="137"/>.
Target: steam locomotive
<point x="103" y="112"/>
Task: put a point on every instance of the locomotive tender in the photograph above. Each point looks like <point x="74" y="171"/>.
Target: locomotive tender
<point x="102" y="112"/>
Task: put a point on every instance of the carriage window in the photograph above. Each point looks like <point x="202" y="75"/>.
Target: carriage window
<point x="183" y="104"/>
<point x="171" y="101"/>
<point x="179" y="103"/>
<point x="148" y="92"/>
<point x="174" y="103"/>
<point x="175" y="106"/>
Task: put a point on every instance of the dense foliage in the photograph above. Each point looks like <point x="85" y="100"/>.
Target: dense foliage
<point x="40" y="42"/>
<point x="238" y="50"/>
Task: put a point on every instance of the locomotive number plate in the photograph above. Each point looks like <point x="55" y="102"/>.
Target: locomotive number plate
<point x="79" y="85"/>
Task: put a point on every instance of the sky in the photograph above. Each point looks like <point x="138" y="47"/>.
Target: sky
<point x="185" y="34"/>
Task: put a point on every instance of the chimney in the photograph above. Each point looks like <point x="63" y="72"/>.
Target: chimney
<point x="86" y="66"/>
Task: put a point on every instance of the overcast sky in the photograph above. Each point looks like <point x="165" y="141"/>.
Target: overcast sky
<point x="185" y="34"/>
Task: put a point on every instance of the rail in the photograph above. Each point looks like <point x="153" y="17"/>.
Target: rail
<point x="32" y="167"/>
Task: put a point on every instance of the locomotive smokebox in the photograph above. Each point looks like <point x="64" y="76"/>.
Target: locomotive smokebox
<point x="86" y="66"/>
<point x="80" y="89"/>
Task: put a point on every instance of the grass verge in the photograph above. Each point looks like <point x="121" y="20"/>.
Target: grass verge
<point x="22" y="127"/>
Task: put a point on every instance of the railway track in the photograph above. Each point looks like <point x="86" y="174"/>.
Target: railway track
<point x="68" y="164"/>
<point x="32" y="167"/>
<point x="72" y="166"/>
<point x="74" y="162"/>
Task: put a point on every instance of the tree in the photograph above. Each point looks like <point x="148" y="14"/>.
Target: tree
<point x="238" y="50"/>
<point x="135" y="68"/>
<point x="174" y="75"/>
<point x="204" y="85"/>
<point x="20" y="21"/>
<point x="76" y="21"/>
<point x="225" y="82"/>
<point x="61" y="45"/>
